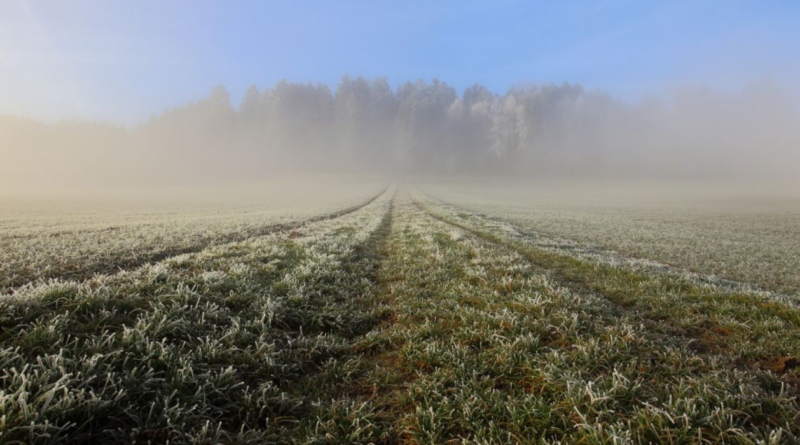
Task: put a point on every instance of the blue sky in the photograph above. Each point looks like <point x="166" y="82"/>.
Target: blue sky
<point x="126" y="60"/>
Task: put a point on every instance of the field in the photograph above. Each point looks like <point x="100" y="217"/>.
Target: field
<point x="732" y="231"/>
<point x="42" y="239"/>
<point x="427" y="313"/>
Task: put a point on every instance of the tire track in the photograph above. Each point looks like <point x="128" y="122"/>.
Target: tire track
<point x="575" y="249"/>
<point x="682" y="314"/>
<point x="463" y="352"/>
<point x="106" y="266"/>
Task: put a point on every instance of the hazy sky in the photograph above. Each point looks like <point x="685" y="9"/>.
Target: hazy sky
<point x="125" y="60"/>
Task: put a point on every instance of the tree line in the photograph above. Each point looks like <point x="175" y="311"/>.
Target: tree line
<point x="419" y="127"/>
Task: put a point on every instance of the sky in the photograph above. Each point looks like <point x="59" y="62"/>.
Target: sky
<point x="124" y="61"/>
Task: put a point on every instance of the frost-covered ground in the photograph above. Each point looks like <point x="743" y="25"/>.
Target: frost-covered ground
<point x="218" y="345"/>
<point x="72" y="237"/>
<point x="749" y="235"/>
<point x="402" y="320"/>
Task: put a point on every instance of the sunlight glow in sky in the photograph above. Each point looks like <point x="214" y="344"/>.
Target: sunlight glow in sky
<point x="126" y="60"/>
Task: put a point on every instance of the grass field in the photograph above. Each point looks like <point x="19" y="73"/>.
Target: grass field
<point x="410" y="316"/>
<point x="42" y="239"/>
<point x="738" y="232"/>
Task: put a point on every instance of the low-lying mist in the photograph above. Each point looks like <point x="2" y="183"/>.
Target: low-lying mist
<point x="419" y="128"/>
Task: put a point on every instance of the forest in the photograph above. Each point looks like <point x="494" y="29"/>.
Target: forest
<point x="417" y="128"/>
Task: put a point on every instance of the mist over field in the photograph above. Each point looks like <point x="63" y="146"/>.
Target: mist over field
<point x="399" y="222"/>
<point x="421" y="127"/>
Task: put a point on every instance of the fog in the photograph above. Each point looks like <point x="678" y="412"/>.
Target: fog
<point x="418" y="128"/>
